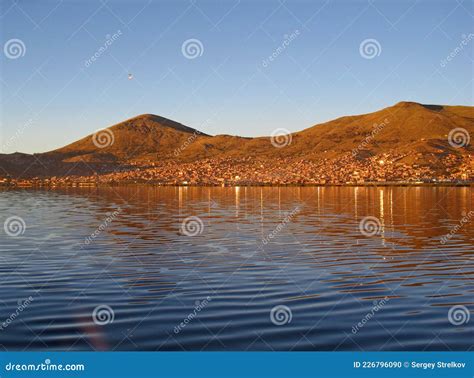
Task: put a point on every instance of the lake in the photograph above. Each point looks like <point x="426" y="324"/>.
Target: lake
<point x="247" y="268"/>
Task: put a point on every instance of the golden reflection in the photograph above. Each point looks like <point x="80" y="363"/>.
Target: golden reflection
<point x="237" y="201"/>
<point x="356" y="191"/>
<point x="418" y="217"/>
<point x="382" y="216"/>
<point x="279" y="201"/>
<point x="390" y="198"/>
<point x="180" y="199"/>
<point x="209" y="201"/>
<point x="261" y="211"/>
<point x="463" y="199"/>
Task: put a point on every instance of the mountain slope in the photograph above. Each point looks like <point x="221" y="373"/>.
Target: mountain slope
<point x="146" y="136"/>
<point x="418" y="132"/>
<point x="405" y="127"/>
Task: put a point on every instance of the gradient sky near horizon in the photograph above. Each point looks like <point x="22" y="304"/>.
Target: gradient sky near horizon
<point x="50" y="96"/>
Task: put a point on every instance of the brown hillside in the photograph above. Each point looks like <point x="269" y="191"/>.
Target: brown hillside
<point x="146" y="136"/>
<point x="416" y="130"/>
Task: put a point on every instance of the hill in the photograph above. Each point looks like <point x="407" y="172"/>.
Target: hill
<point x="416" y="131"/>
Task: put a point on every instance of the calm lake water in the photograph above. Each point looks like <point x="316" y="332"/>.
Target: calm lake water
<point x="253" y="269"/>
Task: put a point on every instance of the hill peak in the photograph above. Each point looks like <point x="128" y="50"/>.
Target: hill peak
<point x="414" y="105"/>
<point x="147" y="117"/>
<point x="150" y="121"/>
<point x="406" y="104"/>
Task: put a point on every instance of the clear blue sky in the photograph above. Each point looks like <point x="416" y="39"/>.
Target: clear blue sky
<point x="319" y="75"/>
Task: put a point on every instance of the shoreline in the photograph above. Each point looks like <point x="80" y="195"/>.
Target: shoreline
<point x="255" y="185"/>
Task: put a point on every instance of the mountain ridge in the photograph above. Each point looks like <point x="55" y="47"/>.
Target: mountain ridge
<point x="418" y="130"/>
